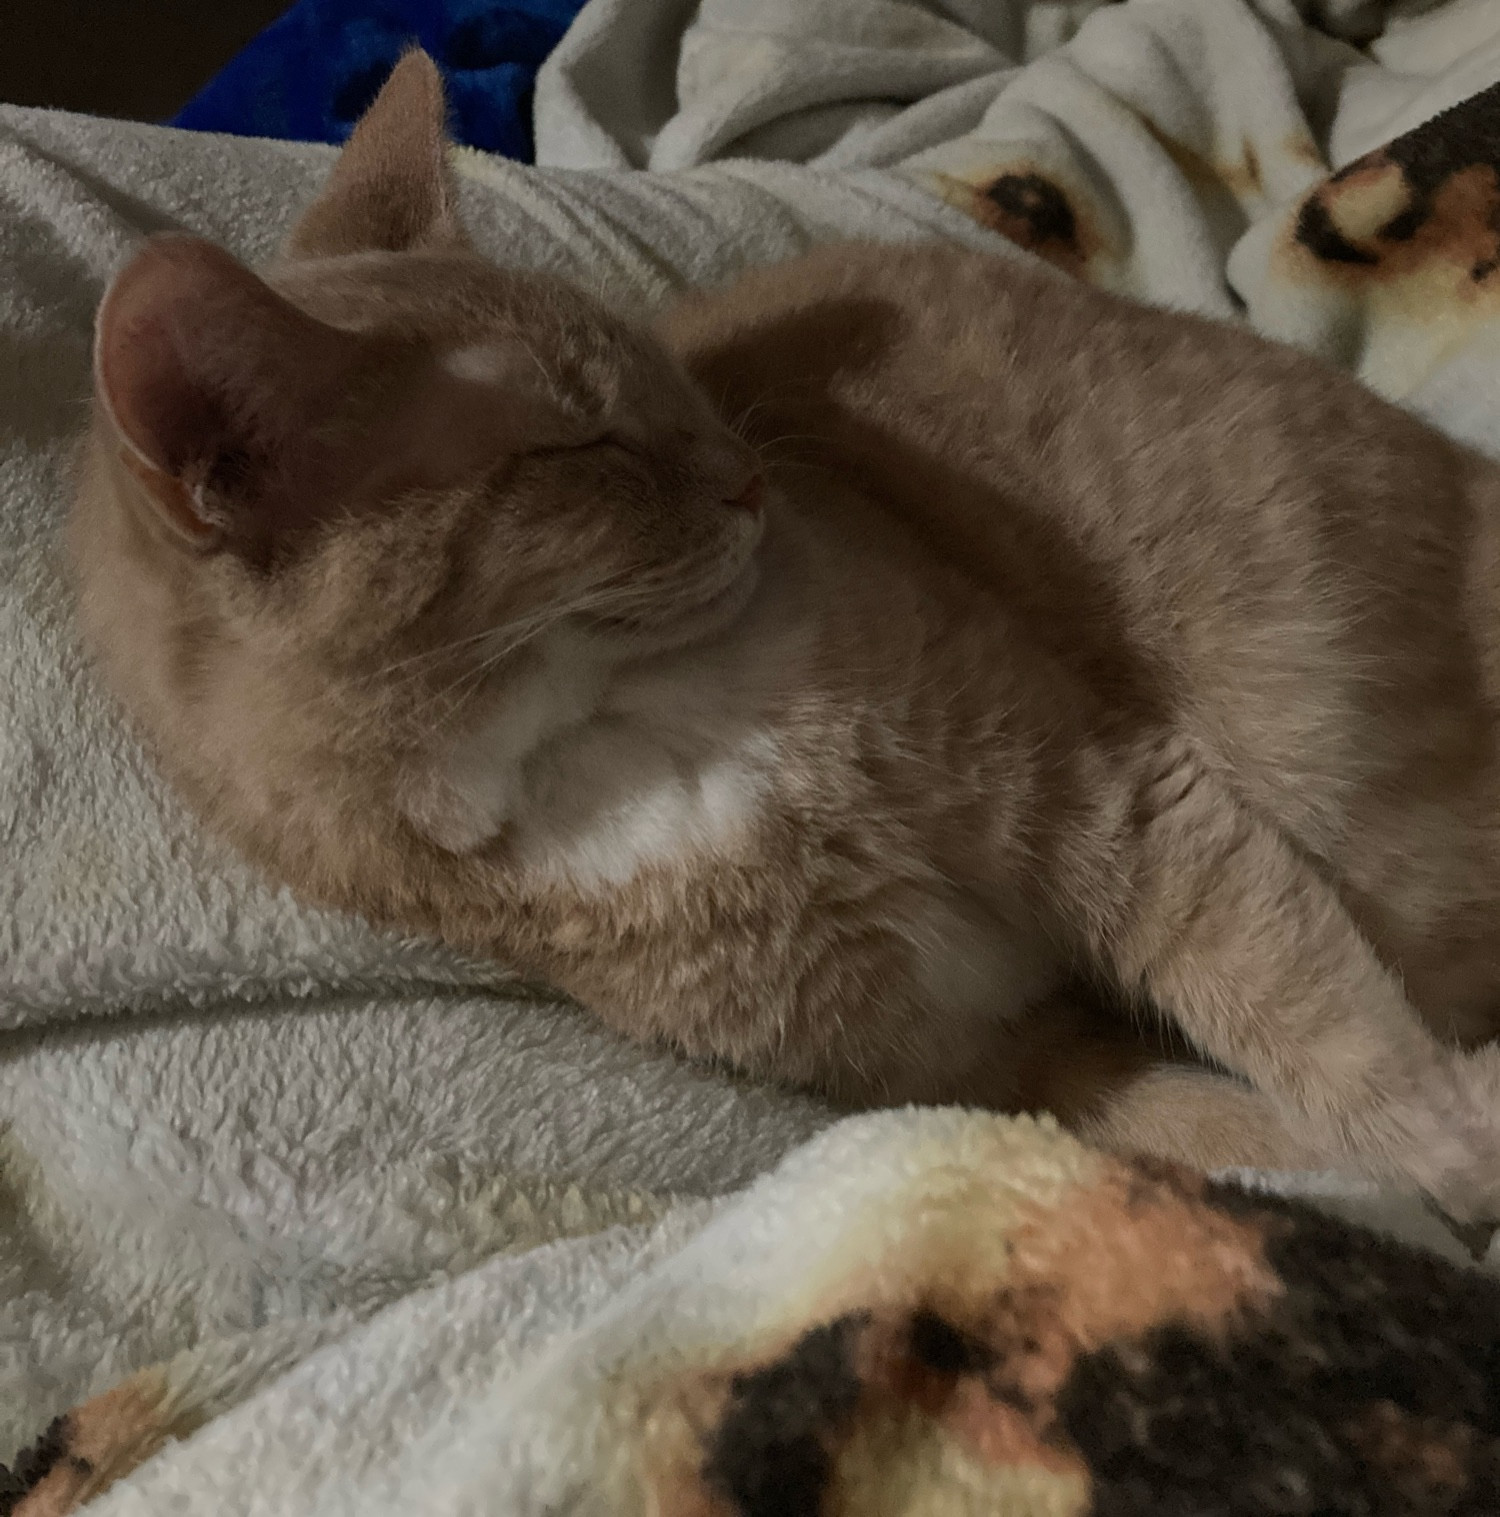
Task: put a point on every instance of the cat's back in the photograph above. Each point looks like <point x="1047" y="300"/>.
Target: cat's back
<point x="991" y="388"/>
<point x="1197" y="520"/>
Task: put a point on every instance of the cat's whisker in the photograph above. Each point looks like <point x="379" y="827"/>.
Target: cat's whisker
<point x="513" y="629"/>
<point x="785" y="437"/>
<point x="518" y="634"/>
<point x="426" y="656"/>
<point x="740" y="425"/>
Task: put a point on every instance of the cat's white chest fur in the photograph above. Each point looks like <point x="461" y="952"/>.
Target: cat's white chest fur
<point x="595" y="779"/>
<point x="623" y="803"/>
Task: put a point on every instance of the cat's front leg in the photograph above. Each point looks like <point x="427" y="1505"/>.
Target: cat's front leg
<point x="1197" y="903"/>
<point x="1196" y="1117"/>
<point x="1118" y="1085"/>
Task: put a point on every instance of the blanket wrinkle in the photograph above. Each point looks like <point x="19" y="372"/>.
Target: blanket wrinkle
<point x="296" y="1217"/>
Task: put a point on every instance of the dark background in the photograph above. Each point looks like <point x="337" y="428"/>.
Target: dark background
<point x="140" y="59"/>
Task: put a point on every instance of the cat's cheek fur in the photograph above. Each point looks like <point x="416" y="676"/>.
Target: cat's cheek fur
<point x="470" y="786"/>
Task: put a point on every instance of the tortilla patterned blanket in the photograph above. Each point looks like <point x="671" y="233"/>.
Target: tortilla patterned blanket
<point x="980" y="1316"/>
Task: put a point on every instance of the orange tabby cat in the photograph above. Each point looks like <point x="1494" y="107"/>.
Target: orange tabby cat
<point x="1069" y="641"/>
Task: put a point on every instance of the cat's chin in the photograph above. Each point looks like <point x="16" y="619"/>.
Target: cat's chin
<point x="694" y="624"/>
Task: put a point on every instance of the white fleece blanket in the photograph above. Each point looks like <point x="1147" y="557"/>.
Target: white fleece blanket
<point x="233" y="1129"/>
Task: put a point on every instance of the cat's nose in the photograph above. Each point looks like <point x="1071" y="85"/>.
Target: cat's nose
<point x="732" y="470"/>
<point x="751" y="498"/>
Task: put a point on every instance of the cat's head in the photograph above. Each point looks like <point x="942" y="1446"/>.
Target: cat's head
<point x="382" y="467"/>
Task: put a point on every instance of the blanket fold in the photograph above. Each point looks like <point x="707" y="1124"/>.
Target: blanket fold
<point x="918" y="1308"/>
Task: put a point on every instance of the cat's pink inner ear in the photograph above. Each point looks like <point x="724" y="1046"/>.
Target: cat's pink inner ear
<point x="391" y="189"/>
<point x="210" y="379"/>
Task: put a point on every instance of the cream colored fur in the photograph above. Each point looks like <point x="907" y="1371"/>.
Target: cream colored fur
<point x="892" y="674"/>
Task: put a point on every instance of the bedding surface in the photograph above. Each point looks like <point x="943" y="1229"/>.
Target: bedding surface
<point x="296" y="1215"/>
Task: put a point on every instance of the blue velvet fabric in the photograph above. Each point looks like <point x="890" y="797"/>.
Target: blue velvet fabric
<point x="311" y="74"/>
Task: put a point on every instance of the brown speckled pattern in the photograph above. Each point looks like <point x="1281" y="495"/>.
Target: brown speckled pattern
<point x="1152" y="1346"/>
<point x="1130" y="1342"/>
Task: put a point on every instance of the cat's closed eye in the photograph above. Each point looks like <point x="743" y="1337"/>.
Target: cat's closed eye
<point x="594" y="442"/>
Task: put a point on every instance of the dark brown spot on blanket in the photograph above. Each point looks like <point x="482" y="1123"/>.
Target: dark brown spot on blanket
<point x="1034" y="212"/>
<point x="937" y="1345"/>
<point x="772" y="1452"/>
<point x="1029" y="208"/>
<point x="1369" y="1387"/>
<point x="83" y="1453"/>
<point x="1425" y="1458"/>
<point x="1318" y="234"/>
<point x="1465" y="137"/>
<point x="33" y="1465"/>
<point x="958" y="1341"/>
<point x="1429" y="196"/>
<point x="1148" y="1346"/>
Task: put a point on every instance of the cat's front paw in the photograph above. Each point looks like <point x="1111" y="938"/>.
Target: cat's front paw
<point x="1458" y="1166"/>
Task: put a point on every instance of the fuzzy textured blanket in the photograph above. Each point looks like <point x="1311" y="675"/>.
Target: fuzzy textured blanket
<point x="295" y="1218"/>
<point x="935" y="1312"/>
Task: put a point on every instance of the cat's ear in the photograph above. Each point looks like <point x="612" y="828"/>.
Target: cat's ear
<point x="214" y="385"/>
<point x="391" y="189"/>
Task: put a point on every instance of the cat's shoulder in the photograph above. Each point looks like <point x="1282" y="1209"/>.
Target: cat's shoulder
<point x="855" y="305"/>
<point x="860" y="279"/>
